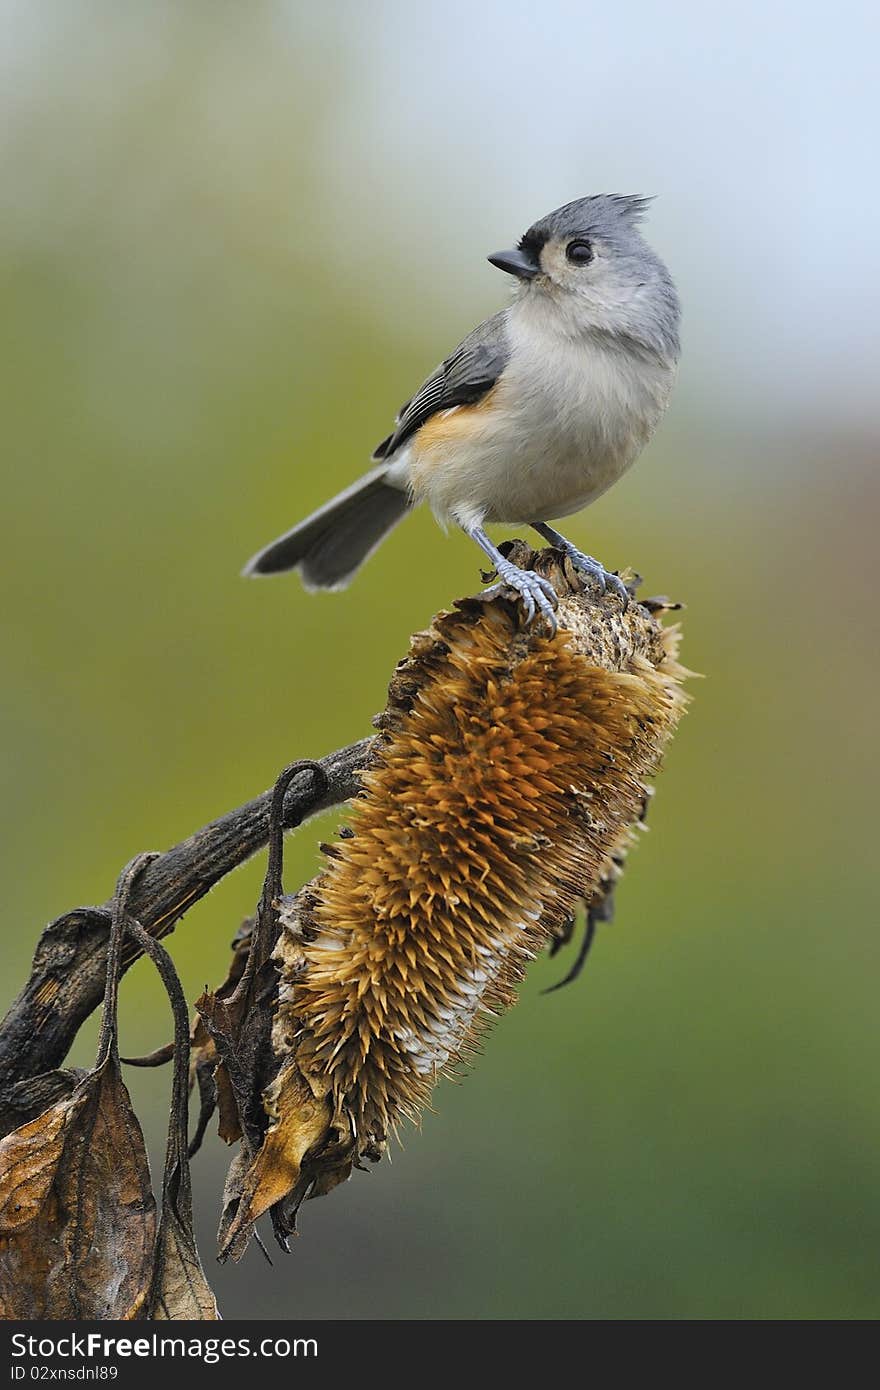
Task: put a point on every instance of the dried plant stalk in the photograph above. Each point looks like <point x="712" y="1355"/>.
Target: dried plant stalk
<point x="510" y="773"/>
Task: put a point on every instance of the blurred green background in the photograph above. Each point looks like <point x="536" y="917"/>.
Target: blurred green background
<point x="232" y="240"/>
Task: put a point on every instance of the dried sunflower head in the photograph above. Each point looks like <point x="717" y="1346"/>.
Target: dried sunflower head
<point x="511" y="771"/>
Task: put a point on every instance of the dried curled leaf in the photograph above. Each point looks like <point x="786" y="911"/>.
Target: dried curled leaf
<point x="237" y="1019"/>
<point x="207" y="1072"/>
<point x="298" y="1122"/>
<point x="180" y="1289"/>
<point x="505" y="789"/>
<point x="77" y="1215"/>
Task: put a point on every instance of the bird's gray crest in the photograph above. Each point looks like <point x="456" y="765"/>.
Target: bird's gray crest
<point x="603" y="215"/>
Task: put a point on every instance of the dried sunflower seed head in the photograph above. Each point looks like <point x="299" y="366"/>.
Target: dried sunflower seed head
<point x="511" y="771"/>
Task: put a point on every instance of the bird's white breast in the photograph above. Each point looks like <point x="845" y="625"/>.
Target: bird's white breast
<point x="567" y="417"/>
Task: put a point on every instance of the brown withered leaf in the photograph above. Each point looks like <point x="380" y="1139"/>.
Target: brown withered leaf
<point x="300" y="1121"/>
<point x="234" y="1233"/>
<point x="239" y="1023"/>
<point x="179" y="1289"/>
<point x="229" y="1124"/>
<point x="77" y="1215"/>
<point x="207" y="1072"/>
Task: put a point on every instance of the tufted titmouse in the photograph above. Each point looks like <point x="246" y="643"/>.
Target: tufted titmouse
<point x="534" y="415"/>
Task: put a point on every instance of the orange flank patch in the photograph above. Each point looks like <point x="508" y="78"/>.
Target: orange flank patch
<point x="447" y="428"/>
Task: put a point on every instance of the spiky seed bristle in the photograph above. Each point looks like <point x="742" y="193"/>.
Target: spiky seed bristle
<point x="511" y="769"/>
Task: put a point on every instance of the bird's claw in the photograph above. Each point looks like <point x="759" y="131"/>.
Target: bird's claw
<point x="537" y="594"/>
<point x="603" y="577"/>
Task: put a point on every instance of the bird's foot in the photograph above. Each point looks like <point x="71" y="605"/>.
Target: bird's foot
<point x="537" y="594"/>
<point x="594" y="570"/>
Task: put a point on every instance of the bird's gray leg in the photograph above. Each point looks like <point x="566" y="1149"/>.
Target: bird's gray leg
<point x="537" y="594"/>
<point x="585" y="563"/>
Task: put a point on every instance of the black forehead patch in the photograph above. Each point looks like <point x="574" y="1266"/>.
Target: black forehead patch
<point x="533" y="241"/>
<point x="604" y="215"/>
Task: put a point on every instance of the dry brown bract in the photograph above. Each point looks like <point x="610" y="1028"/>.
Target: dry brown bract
<point x="511" y="768"/>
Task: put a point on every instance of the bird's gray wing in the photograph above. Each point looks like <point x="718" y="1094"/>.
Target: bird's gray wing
<point x="465" y="376"/>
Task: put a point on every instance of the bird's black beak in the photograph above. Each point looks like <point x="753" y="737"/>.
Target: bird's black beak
<point x="522" y="264"/>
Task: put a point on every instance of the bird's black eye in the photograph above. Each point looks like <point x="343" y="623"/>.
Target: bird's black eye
<point x="579" y="252"/>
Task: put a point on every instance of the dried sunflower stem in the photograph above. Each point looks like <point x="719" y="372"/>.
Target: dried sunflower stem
<point x="69" y="970"/>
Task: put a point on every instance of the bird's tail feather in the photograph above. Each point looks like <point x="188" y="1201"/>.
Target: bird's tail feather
<point x="331" y="544"/>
